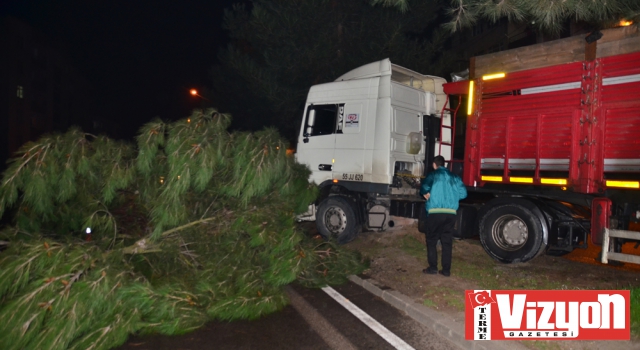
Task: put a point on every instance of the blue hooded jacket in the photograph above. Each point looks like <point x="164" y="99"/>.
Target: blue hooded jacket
<point x="445" y="189"/>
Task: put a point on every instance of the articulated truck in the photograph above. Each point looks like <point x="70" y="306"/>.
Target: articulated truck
<point x="547" y="143"/>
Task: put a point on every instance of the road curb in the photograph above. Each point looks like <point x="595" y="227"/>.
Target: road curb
<point x="443" y="324"/>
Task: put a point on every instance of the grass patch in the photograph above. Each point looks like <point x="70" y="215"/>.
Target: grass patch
<point x="429" y="303"/>
<point x="413" y="246"/>
<point x="444" y="295"/>
<point x="635" y="311"/>
<point x="456" y="301"/>
<point x="489" y="274"/>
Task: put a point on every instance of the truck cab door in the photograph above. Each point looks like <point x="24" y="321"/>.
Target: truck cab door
<point x="350" y="146"/>
<point x="317" y="139"/>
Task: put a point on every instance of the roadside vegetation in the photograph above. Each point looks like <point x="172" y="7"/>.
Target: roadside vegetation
<point x="635" y="311"/>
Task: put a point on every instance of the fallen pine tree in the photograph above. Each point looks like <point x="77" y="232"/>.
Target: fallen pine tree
<point x="192" y="223"/>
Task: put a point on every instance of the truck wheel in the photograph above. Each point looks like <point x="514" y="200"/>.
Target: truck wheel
<point x="511" y="233"/>
<point x="336" y="218"/>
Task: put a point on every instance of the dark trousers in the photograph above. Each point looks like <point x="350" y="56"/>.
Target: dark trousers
<point x="440" y="227"/>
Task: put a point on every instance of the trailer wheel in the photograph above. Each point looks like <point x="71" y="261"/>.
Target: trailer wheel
<point x="511" y="233"/>
<point x="336" y="219"/>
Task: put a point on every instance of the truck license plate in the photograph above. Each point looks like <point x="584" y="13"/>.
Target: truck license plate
<point x="352" y="177"/>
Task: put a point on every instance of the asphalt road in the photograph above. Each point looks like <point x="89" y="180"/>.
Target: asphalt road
<point x="314" y="320"/>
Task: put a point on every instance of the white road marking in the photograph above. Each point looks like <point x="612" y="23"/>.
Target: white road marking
<point x="334" y="339"/>
<point x="386" y="334"/>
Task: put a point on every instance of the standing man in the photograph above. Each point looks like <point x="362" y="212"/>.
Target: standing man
<point x="442" y="190"/>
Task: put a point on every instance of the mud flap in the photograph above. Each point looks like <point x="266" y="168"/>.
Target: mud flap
<point x="600" y="213"/>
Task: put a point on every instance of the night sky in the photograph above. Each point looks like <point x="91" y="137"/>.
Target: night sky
<point x="141" y="57"/>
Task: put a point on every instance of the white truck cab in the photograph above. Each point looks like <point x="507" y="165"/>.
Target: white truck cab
<point x="363" y="137"/>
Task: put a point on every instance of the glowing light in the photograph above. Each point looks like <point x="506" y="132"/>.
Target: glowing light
<point x="493" y="76"/>
<point x="625" y="23"/>
<point x="527" y="180"/>
<point x="623" y="184"/>
<point x="491" y="178"/>
<point x="470" y="103"/>
<point x="553" y="181"/>
<point x="88" y="230"/>
<point x="335" y="181"/>
<point x="195" y="92"/>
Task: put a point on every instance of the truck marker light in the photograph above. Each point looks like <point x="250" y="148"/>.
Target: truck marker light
<point x="333" y="160"/>
<point x="470" y="103"/>
<point x="553" y="181"/>
<point x="335" y="181"/>
<point x="491" y="178"/>
<point x="528" y="180"/>
<point x="625" y="184"/>
<point x="493" y="76"/>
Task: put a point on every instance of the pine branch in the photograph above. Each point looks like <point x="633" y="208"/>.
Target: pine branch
<point x="546" y="15"/>
<point x="143" y="245"/>
<point x="23" y="164"/>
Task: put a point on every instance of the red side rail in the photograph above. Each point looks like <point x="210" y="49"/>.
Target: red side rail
<point x="574" y="125"/>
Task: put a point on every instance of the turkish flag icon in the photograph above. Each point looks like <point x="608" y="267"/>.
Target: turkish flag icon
<point x="480" y="298"/>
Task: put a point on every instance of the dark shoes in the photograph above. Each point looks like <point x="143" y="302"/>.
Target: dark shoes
<point x="434" y="271"/>
<point x="430" y="271"/>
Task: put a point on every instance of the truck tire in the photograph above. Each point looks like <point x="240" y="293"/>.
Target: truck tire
<point x="511" y="233"/>
<point x="336" y="219"/>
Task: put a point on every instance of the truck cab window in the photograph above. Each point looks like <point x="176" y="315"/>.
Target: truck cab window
<point x="325" y="120"/>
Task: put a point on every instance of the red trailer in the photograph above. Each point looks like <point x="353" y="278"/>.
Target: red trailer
<point x="552" y="148"/>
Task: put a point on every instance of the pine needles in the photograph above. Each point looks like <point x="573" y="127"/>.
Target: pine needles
<point x="190" y="224"/>
<point x="545" y="15"/>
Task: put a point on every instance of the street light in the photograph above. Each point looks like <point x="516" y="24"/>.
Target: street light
<point x="194" y="92"/>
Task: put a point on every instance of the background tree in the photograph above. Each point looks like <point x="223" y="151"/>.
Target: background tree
<point x="279" y="48"/>
<point x="546" y="15"/>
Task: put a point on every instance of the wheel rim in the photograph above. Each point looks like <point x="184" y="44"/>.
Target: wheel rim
<point x="335" y="220"/>
<point x="510" y="232"/>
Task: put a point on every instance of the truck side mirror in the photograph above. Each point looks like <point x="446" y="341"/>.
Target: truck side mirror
<point x="309" y="131"/>
<point x="312" y="118"/>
